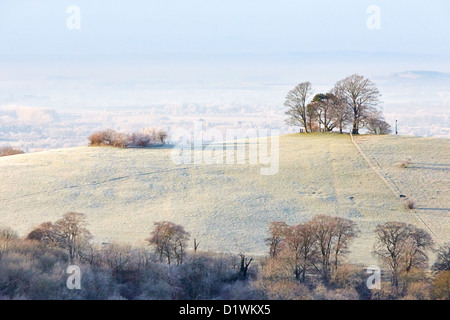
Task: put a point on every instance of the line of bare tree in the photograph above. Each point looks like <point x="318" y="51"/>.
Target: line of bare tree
<point x="352" y="101"/>
<point x="318" y="248"/>
<point x="318" y="245"/>
<point x="306" y="261"/>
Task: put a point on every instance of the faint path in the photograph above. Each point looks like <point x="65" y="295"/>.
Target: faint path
<point x="392" y="186"/>
<point x="93" y="183"/>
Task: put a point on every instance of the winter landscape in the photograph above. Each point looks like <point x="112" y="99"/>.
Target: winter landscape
<point x="211" y="157"/>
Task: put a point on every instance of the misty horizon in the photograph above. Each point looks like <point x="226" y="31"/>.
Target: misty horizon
<point x="131" y="65"/>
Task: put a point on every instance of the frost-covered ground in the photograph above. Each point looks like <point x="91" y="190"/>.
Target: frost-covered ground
<point x="228" y="207"/>
<point x="426" y="179"/>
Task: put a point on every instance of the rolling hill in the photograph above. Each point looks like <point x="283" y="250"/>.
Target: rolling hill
<point x="228" y="207"/>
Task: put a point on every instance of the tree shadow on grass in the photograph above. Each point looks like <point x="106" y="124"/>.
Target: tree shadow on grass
<point x="430" y="167"/>
<point x="434" y="209"/>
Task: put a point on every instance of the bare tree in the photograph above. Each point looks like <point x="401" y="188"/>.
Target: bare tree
<point x="169" y="240"/>
<point x="390" y="246"/>
<point x="296" y="102"/>
<point x="442" y="262"/>
<point x="346" y="230"/>
<point x="245" y="264"/>
<point x="7" y="237"/>
<point x="332" y="111"/>
<point x="180" y="240"/>
<point x="319" y="244"/>
<point x="312" y="117"/>
<point x="416" y="255"/>
<point x="402" y="247"/>
<point x="376" y="124"/>
<point x="117" y="257"/>
<point x="68" y="233"/>
<point x="361" y="95"/>
<point x="341" y="110"/>
<point x="43" y="234"/>
<point x="301" y="243"/>
<point x="196" y="244"/>
<point x="71" y="233"/>
<point x="333" y="238"/>
<point x="277" y="232"/>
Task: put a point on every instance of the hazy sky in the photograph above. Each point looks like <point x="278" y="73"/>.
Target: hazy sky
<point x="222" y="26"/>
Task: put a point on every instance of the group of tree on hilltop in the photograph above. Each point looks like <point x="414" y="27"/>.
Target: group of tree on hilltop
<point x="352" y="101"/>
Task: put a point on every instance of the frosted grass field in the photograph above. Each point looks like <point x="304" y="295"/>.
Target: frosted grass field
<point x="228" y="207"/>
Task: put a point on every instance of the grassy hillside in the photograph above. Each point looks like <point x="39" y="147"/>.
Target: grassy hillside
<point x="228" y="207"/>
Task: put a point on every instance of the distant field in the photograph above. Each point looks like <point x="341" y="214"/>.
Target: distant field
<point x="228" y="207"/>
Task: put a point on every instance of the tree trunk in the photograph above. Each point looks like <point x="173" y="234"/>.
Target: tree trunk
<point x="297" y="273"/>
<point x="244" y="267"/>
<point x="356" y="116"/>
<point x="196" y="245"/>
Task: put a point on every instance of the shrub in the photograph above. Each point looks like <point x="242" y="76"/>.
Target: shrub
<point x="162" y="135"/>
<point x="97" y="284"/>
<point x="378" y="126"/>
<point x="323" y="293"/>
<point x="386" y="292"/>
<point x="46" y="262"/>
<point x="44" y="287"/>
<point x="146" y="138"/>
<point x="405" y="162"/>
<point x="195" y="278"/>
<point x="16" y="275"/>
<point x="158" y="284"/>
<point x="108" y="138"/>
<point x="96" y="139"/>
<point x="239" y="290"/>
<point x="139" y="140"/>
<point x="345" y="276"/>
<point x="288" y="290"/>
<point x="9" y="151"/>
<point x="410" y="204"/>
<point x="418" y="291"/>
<point x="441" y="286"/>
<point x="170" y="241"/>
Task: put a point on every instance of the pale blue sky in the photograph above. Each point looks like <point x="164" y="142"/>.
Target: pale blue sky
<point x="219" y="26"/>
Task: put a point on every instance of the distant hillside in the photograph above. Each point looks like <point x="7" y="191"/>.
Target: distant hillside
<point x="422" y="76"/>
<point x="228" y="207"/>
